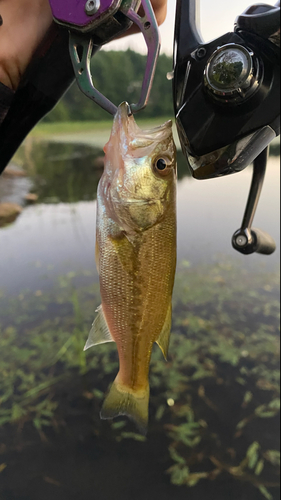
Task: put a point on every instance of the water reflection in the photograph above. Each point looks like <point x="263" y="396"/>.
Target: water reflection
<point x="63" y="172"/>
<point x="58" y="234"/>
<point x="66" y="172"/>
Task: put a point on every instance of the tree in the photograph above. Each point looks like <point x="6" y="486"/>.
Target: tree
<point x="119" y="76"/>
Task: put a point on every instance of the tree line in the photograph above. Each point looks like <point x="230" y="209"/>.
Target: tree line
<point x="119" y="76"/>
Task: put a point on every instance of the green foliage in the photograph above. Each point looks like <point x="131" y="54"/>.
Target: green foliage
<point x="38" y="355"/>
<point x="273" y="456"/>
<point x="131" y="435"/>
<point x="264" y="491"/>
<point x="61" y="173"/>
<point x="253" y="455"/>
<point x="230" y="342"/>
<point x="221" y="379"/>
<point x="119" y="76"/>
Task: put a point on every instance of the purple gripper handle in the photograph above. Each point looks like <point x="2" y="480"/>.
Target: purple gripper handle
<point x="72" y="13"/>
<point x="83" y="16"/>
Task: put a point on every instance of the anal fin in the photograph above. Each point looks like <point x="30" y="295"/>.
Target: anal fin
<point x="164" y="337"/>
<point x="99" y="333"/>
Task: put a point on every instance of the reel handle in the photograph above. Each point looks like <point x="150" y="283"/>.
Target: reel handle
<point x="248" y="240"/>
<point x="265" y="244"/>
<point x="253" y="241"/>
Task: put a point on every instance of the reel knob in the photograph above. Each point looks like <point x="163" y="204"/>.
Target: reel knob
<point x="253" y="240"/>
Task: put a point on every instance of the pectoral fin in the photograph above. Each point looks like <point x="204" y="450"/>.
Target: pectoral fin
<point x="164" y="338"/>
<point x="99" y="333"/>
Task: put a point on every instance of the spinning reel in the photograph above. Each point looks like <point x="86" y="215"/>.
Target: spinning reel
<point x="227" y="102"/>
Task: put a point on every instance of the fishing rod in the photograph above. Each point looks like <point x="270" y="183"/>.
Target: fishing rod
<point x="229" y="86"/>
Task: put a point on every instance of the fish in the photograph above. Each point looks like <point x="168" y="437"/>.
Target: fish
<point x="136" y="255"/>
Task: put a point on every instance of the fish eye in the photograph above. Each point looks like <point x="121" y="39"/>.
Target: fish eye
<point x="161" y="164"/>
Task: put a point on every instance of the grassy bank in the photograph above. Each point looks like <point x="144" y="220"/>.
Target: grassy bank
<point x="57" y="128"/>
<point x="93" y="133"/>
<point x="96" y="133"/>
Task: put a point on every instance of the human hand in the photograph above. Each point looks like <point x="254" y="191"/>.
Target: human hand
<point x="25" y="24"/>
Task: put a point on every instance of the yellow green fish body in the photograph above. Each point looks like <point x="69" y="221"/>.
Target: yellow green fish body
<point x="136" y="257"/>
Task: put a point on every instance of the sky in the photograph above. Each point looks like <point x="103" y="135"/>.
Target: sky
<point x="217" y="18"/>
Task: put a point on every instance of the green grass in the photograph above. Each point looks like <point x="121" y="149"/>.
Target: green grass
<point x="96" y="133"/>
<point x="93" y="133"/>
<point x="59" y="128"/>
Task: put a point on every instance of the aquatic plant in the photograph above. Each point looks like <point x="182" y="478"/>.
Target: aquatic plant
<point x="217" y="398"/>
<point x="230" y="386"/>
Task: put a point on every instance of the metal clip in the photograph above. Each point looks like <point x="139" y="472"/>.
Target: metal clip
<point x="81" y="47"/>
<point x="79" y="44"/>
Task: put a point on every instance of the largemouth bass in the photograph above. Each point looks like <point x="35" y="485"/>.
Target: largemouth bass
<point x="136" y="257"/>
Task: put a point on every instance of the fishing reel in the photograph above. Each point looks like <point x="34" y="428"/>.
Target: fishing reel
<point x="227" y="102"/>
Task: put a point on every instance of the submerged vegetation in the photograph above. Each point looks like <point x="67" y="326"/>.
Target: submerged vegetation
<point x="215" y="403"/>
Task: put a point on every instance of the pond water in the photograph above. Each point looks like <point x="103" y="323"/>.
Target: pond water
<point x="215" y="406"/>
<point x="57" y="235"/>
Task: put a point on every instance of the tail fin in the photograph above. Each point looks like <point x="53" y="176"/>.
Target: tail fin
<point x="122" y="400"/>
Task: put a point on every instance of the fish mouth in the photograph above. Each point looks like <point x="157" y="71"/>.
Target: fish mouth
<point x="126" y="135"/>
<point x="124" y="110"/>
<point x="125" y="116"/>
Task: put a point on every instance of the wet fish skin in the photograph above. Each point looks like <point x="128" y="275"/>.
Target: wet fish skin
<point x="136" y="258"/>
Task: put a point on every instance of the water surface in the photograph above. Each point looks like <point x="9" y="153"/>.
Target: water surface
<point x="58" y="234"/>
